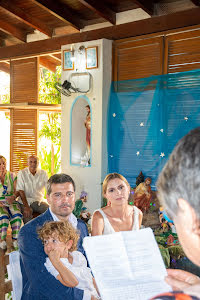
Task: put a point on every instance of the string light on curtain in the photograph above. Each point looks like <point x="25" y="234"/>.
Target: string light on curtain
<point x="152" y="115"/>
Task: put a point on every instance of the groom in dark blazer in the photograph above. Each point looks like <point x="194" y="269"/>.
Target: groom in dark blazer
<point x="38" y="283"/>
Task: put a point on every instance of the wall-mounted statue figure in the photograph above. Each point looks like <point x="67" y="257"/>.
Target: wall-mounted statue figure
<point x="88" y="131"/>
<point x="81" y="132"/>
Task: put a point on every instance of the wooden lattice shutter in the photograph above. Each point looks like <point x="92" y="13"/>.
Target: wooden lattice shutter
<point x="137" y="58"/>
<point x="24" y="89"/>
<point x="23" y="137"/>
<point x="24" y="80"/>
<point x="182" y="51"/>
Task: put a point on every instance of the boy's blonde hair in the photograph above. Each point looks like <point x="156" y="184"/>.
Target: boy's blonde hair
<point x="63" y="229"/>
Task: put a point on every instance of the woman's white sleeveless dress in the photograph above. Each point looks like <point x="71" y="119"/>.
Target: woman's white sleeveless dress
<point x="108" y="229"/>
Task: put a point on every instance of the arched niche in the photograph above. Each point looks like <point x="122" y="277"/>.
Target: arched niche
<point x="81" y="132"/>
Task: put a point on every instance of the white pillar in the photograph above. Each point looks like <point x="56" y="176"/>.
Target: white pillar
<point x="89" y="178"/>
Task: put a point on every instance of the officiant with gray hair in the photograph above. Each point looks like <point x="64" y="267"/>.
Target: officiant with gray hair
<point x="179" y="192"/>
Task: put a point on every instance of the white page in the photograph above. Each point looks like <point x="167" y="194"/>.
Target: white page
<point x="126" y="265"/>
<point x="104" y="253"/>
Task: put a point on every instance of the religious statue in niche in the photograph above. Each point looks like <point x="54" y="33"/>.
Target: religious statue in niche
<point x="143" y="195"/>
<point x="88" y="132"/>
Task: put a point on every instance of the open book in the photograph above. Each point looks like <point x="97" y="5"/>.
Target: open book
<point x="126" y="265"/>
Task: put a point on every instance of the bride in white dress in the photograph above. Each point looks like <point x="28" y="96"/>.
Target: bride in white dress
<point x="118" y="215"/>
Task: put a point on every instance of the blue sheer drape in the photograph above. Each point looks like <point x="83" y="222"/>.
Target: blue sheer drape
<point x="146" y="118"/>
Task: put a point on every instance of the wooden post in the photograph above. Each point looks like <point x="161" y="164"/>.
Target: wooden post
<point x="2" y="275"/>
<point x="5" y="287"/>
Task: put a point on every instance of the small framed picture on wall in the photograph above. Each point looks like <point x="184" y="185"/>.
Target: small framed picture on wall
<point x="68" y="63"/>
<point x="91" y="57"/>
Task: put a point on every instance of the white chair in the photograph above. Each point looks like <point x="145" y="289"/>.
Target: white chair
<point x="15" y="275"/>
<point x="14" y="282"/>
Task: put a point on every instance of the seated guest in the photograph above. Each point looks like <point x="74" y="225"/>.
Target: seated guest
<point x="178" y="190"/>
<point x="118" y="215"/>
<point x="64" y="262"/>
<point x="143" y="195"/>
<point x="38" y="283"/>
<point x="31" y="183"/>
<point x="9" y="208"/>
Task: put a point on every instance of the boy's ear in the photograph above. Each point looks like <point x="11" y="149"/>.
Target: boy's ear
<point x="69" y="244"/>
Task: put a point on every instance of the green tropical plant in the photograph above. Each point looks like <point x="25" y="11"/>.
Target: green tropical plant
<point x="45" y="159"/>
<point x="47" y="91"/>
<point x="51" y="127"/>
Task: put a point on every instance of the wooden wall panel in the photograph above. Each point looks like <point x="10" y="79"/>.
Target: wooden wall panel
<point x="24" y="80"/>
<point x="156" y="54"/>
<point x="182" y="52"/>
<point x="137" y="58"/>
<point x="24" y="133"/>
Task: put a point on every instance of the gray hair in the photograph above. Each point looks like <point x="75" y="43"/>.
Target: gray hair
<point x="33" y="155"/>
<point x="59" y="178"/>
<point x="180" y="178"/>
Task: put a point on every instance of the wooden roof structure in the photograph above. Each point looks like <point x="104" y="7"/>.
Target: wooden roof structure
<point x="39" y="27"/>
<point x="33" y="31"/>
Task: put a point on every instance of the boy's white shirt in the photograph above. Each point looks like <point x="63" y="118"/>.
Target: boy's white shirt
<point x="78" y="268"/>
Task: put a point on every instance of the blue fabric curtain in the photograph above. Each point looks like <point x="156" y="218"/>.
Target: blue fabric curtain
<point x="146" y="118"/>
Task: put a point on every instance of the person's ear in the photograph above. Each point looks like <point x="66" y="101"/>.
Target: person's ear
<point x="189" y="215"/>
<point x="183" y="206"/>
<point x="69" y="244"/>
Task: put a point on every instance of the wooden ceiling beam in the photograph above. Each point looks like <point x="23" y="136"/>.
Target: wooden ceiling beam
<point x="65" y="30"/>
<point x="28" y="105"/>
<point x="147" y="26"/>
<point x="61" y="11"/>
<point x="12" y="30"/>
<point x="10" y="42"/>
<point x="146" y="5"/>
<point x="5" y="67"/>
<point x="45" y="62"/>
<point x="101" y="9"/>
<point x="56" y="58"/>
<point x="26" y="18"/>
